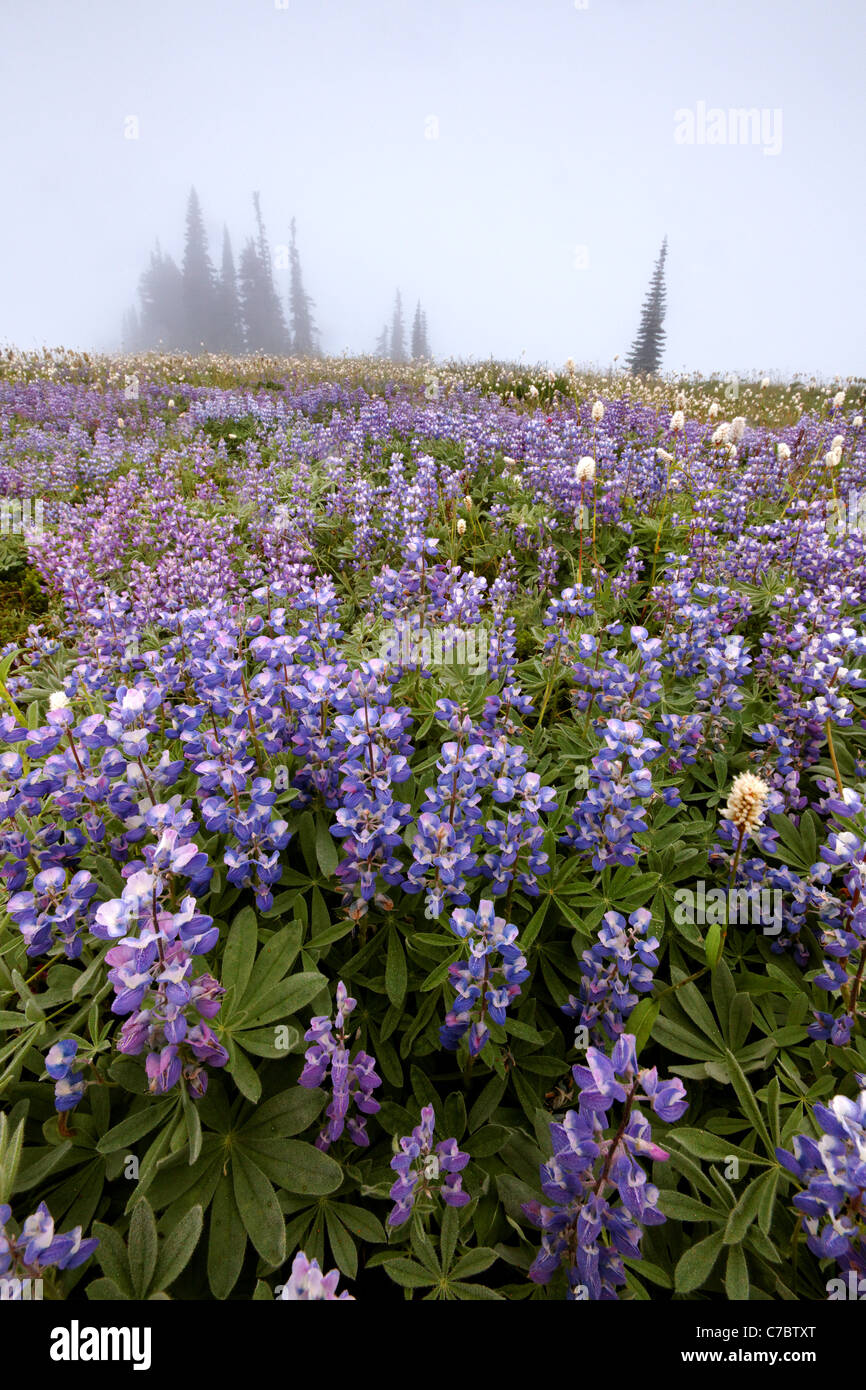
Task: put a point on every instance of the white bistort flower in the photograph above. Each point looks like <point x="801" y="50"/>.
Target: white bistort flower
<point x="584" y="470"/>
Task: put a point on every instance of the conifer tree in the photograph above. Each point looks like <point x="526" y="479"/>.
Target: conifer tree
<point x="417" y="333"/>
<point x="162" y="318"/>
<point x="229" y="334"/>
<point x="199" y="283"/>
<point x="381" y="348"/>
<point x="304" y="336"/>
<point x="270" y="328"/>
<point x="398" y="332"/>
<point x="646" y="351"/>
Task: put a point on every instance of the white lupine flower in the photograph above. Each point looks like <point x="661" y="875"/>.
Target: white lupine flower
<point x="584" y="470"/>
<point x="746" y="801"/>
<point x="597" y="412"/>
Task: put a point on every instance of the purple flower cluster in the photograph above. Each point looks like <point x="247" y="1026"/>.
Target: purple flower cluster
<point x="353" y="1079"/>
<point x="307" y="1284"/>
<point x="583" y="1227"/>
<point x="419" y="1167"/>
<point x="488" y="981"/>
<point x="617" y="968"/>
<point x="833" y="1169"/>
<point x="152" y="975"/>
<point x="38" y="1248"/>
<point x="69" y="1084"/>
<point x="611" y="814"/>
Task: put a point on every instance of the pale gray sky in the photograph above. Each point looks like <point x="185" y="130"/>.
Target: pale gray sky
<point x="530" y="222"/>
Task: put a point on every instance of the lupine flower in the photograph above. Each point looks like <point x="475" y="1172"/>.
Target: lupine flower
<point x="419" y="1167"/>
<point x="833" y="1171"/>
<point x="69" y="1084"/>
<point x="37" y="1247"/>
<point x="307" y="1283"/>
<point x="615" y="971"/>
<point x="583" y="1227"/>
<point x="353" y="1079"/>
<point x="488" y="982"/>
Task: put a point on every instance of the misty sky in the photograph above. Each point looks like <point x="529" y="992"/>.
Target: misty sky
<point x="555" y="147"/>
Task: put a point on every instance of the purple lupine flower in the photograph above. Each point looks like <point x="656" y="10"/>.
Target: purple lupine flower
<point x="307" y="1283"/>
<point x="596" y="1160"/>
<point x="488" y="982"/>
<point x="37" y="1248"/>
<point x="69" y="1084"/>
<point x="419" y="1166"/>
<point x="615" y="971"/>
<point x="833" y="1171"/>
<point x="353" y="1079"/>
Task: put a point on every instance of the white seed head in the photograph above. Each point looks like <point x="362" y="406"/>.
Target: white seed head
<point x="738" y="428"/>
<point x="746" y="801"/>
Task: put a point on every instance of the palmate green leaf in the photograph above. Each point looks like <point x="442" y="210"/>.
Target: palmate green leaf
<point x="396" y="971"/>
<point x="227" y="1242"/>
<point x="288" y="1113"/>
<point x="473" y="1262"/>
<point x="737" y="1274"/>
<point x="142" y="1247"/>
<point x="239" y="955"/>
<point x="746" y="1097"/>
<point x="112" y="1257"/>
<point x="258" y="1207"/>
<point x="746" y="1209"/>
<point x="176" y="1249"/>
<point x="343" y="1247"/>
<point x="409" y="1274"/>
<point x="134" y="1127"/>
<point x="696" y="1265"/>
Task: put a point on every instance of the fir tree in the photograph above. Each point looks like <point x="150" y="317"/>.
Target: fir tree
<point x="199" y="283"/>
<point x="229" y="334"/>
<point x="381" y="348"/>
<point x="303" y="330"/>
<point x="270" y="334"/>
<point x="420" y="342"/>
<point x="161" y="293"/>
<point x="646" y="352"/>
<point x="398" y="332"/>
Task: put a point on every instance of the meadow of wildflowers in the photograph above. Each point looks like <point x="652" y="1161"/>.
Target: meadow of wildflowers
<point x="340" y="966"/>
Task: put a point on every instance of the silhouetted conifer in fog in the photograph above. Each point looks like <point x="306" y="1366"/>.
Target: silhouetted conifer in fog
<point x="229" y="334"/>
<point x="304" y="336"/>
<point x="199" y="284"/>
<point x="420" y="343"/>
<point x="381" y="348"/>
<point x="398" y="332"/>
<point x="647" y="349"/>
<point x="162" y="311"/>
